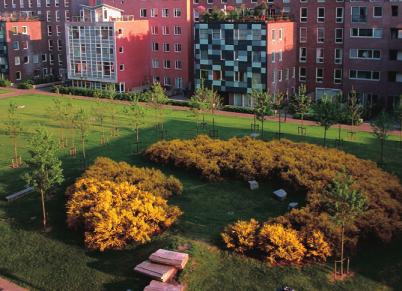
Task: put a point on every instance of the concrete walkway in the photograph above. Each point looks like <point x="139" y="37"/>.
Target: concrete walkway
<point x="365" y="127"/>
<point x="8" y="286"/>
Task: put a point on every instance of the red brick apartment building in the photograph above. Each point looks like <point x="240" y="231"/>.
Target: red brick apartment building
<point x="170" y="45"/>
<point x="49" y="17"/>
<point x="22" y="49"/>
<point x="342" y="44"/>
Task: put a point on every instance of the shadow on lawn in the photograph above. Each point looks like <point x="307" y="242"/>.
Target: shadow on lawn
<point x="6" y="273"/>
<point x="26" y="213"/>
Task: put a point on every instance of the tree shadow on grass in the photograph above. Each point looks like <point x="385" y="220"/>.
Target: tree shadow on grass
<point x="7" y="274"/>
<point x="121" y="263"/>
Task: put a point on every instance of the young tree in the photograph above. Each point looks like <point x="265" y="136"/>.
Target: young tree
<point x="399" y="117"/>
<point x="342" y="111"/>
<point x="345" y="204"/>
<point x="82" y="124"/>
<point x="326" y="111"/>
<point x="61" y="111"/>
<point x="99" y="111"/>
<point x="277" y="104"/>
<point x="14" y="129"/>
<point x="213" y="102"/>
<point x="45" y="170"/>
<point x="156" y="99"/>
<point x="354" y="108"/>
<point x="199" y="104"/>
<point x="262" y="104"/>
<point x="381" y="127"/>
<point x="135" y="112"/>
<point x="301" y="104"/>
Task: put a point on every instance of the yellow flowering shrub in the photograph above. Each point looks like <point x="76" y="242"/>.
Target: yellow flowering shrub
<point x="307" y="168"/>
<point x="241" y="236"/>
<point x="317" y="248"/>
<point x="151" y="180"/>
<point x="280" y="245"/>
<point x="113" y="214"/>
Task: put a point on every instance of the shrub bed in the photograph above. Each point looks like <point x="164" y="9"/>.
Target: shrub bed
<point x="116" y="204"/>
<point x="27" y="84"/>
<point x="5" y="83"/>
<point x="305" y="168"/>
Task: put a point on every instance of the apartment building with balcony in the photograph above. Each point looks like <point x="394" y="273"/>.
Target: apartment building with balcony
<point x="53" y="14"/>
<point x="107" y="48"/>
<point x="326" y="44"/>
<point x="235" y="57"/>
<point x="22" y="49"/>
<point x="373" y="52"/>
<point x="171" y="45"/>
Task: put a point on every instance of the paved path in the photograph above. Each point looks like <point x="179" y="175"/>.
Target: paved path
<point x="8" y="286"/>
<point x="365" y="127"/>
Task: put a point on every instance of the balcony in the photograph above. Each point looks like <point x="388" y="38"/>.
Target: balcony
<point x="89" y="19"/>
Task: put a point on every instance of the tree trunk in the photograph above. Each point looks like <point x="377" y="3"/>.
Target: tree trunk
<point x="262" y="127"/>
<point x="137" y="133"/>
<point x="83" y="150"/>
<point x="42" y="194"/>
<point x="15" y="150"/>
<point x="279" y="124"/>
<point x="382" y="151"/>
<point x="342" y="243"/>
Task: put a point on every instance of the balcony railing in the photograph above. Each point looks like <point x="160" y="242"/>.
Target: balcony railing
<point x="90" y="19"/>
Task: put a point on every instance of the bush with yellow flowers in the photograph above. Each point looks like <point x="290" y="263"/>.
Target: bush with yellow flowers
<point x="241" y="236"/>
<point x="275" y="243"/>
<point x="113" y="214"/>
<point x="308" y="169"/>
<point x="150" y="180"/>
<point x="280" y="244"/>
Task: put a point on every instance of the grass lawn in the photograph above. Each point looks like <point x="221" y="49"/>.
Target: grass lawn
<point x="58" y="261"/>
<point x="3" y="91"/>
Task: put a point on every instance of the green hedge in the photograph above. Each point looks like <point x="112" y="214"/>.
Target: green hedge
<point x="26" y="84"/>
<point x="5" y="83"/>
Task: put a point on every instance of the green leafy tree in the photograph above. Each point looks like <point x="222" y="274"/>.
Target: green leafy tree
<point x="45" y="170"/>
<point x="136" y="113"/>
<point x="81" y="121"/>
<point x="14" y="129"/>
<point x="100" y="113"/>
<point x="199" y="103"/>
<point x="342" y="112"/>
<point x="301" y="103"/>
<point x="61" y="111"/>
<point x="381" y="125"/>
<point x="345" y="205"/>
<point x="355" y="109"/>
<point x="262" y="104"/>
<point x="278" y="103"/>
<point x="326" y="111"/>
<point x="398" y="113"/>
<point x="156" y="99"/>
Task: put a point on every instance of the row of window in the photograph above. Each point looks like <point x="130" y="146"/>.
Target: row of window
<point x="361" y="75"/>
<point x="36" y="59"/>
<point x="37" y="73"/>
<point x="35" y="3"/>
<point x="167" y="81"/>
<point x="166" y="47"/>
<point x="178" y="64"/>
<point x="153" y="12"/>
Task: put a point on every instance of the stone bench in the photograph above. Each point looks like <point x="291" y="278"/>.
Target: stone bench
<point x="280" y="194"/>
<point x="19" y="194"/>
<point x="170" y="258"/>
<point x="159" y="272"/>
<point x="160" y="286"/>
